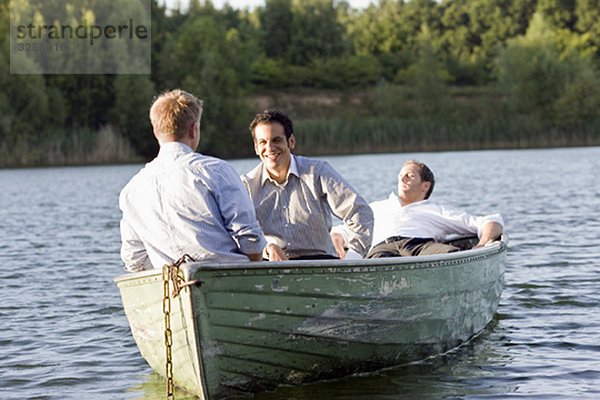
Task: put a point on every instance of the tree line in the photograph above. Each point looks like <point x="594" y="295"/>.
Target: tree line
<point x="403" y="75"/>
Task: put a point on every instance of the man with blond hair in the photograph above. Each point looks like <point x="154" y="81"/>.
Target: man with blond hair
<point x="183" y="202"/>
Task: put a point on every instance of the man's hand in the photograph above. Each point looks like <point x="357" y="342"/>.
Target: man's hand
<point x="491" y="231"/>
<point x="255" y="257"/>
<point x="338" y="243"/>
<point x="275" y="253"/>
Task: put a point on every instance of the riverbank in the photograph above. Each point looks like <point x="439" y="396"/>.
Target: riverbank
<point x="384" y="119"/>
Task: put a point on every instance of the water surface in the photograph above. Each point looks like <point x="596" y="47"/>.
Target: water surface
<point x="65" y="336"/>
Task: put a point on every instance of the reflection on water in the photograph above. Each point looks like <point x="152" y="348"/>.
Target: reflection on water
<point x="153" y="387"/>
<point x="64" y="334"/>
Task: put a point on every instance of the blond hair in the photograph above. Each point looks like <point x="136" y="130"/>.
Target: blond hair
<point x="172" y="113"/>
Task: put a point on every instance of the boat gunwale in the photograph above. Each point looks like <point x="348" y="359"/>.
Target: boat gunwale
<point x="413" y="262"/>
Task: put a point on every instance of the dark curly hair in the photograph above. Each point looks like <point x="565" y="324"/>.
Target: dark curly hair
<point x="270" y="116"/>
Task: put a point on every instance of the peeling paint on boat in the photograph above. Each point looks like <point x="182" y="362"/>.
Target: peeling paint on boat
<point x="389" y="287"/>
<point x="276" y="288"/>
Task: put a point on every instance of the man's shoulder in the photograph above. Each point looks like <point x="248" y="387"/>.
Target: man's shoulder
<point x="254" y="175"/>
<point x="304" y="162"/>
<point x="314" y="167"/>
<point x="198" y="159"/>
<point x="390" y="201"/>
<point x="208" y="165"/>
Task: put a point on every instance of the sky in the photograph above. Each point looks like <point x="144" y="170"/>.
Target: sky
<point x="239" y="4"/>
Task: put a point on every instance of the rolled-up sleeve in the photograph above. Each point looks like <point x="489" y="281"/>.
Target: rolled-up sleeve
<point x="349" y="206"/>
<point x="482" y="221"/>
<point x="133" y="251"/>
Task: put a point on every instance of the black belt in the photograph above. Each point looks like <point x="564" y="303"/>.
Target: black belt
<point x="392" y="239"/>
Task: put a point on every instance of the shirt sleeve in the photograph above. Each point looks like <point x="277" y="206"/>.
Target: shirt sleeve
<point x="133" y="252"/>
<point x="238" y="212"/>
<point x="349" y="206"/>
<point x="344" y="231"/>
<point x="463" y="222"/>
<point x="482" y="221"/>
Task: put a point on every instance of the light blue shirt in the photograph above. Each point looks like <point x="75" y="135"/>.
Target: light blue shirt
<point x="186" y="203"/>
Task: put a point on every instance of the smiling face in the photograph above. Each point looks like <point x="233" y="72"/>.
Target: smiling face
<point x="273" y="149"/>
<point x="410" y="186"/>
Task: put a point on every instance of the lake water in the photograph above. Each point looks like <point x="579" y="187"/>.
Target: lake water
<point x="65" y="336"/>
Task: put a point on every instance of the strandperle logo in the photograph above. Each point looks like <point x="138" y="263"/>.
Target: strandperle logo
<point x="80" y="37"/>
<point x="85" y="31"/>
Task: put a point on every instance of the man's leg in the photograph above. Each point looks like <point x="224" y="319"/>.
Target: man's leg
<point x="393" y="249"/>
<point x="428" y="248"/>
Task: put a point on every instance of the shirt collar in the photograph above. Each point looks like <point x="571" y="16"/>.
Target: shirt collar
<point x="394" y="197"/>
<point x="416" y="203"/>
<point x="292" y="170"/>
<point x="174" y="147"/>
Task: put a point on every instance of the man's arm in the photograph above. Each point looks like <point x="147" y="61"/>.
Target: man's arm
<point x="255" y="257"/>
<point x="339" y="244"/>
<point x="275" y="253"/>
<point x="272" y="252"/>
<point x="490" y="231"/>
<point x="133" y="252"/>
<point x="348" y="205"/>
<point x="238" y="214"/>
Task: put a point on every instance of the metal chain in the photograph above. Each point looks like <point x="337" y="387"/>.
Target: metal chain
<point x="171" y="272"/>
<point x="168" y="332"/>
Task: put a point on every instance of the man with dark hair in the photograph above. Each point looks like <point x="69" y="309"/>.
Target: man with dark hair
<point x="295" y="196"/>
<point x="408" y="224"/>
<point x="184" y="202"/>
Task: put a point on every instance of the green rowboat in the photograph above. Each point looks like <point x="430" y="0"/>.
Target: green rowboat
<point x="244" y="328"/>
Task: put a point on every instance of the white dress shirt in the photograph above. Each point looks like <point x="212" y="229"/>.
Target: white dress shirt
<point x="423" y="219"/>
<point x="186" y="203"/>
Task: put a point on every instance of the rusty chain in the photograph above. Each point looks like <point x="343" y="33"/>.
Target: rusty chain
<point x="171" y="273"/>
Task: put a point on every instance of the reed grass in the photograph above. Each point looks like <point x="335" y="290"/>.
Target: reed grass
<point x="68" y="147"/>
<point x="390" y="135"/>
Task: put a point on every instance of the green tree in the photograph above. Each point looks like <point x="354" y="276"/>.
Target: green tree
<point x="133" y="96"/>
<point x="316" y="33"/>
<point x="276" y="33"/>
<point x="560" y="13"/>
<point x="587" y="13"/>
<point x="378" y="30"/>
<point x="530" y="69"/>
<point x="474" y="29"/>
<point x="579" y="101"/>
<point x="207" y="51"/>
<point x="429" y="87"/>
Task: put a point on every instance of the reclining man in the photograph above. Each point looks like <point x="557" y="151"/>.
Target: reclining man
<point x="409" y="224"/>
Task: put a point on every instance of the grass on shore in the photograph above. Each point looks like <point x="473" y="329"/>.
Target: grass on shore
<point x="76" y="147"/>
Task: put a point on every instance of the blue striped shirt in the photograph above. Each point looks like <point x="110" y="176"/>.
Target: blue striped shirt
<point x="296" y="215"/>
<point x="186" y="203"/>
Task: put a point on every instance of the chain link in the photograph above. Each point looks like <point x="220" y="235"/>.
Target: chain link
<point x="171" y="273"/>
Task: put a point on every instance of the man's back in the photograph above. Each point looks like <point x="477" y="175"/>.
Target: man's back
<point x="184" y="202"/>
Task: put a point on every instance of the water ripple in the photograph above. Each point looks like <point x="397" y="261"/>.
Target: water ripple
<point x="67" y="336"/>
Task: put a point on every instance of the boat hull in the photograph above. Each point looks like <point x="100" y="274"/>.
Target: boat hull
<point x="252" y="327"/>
